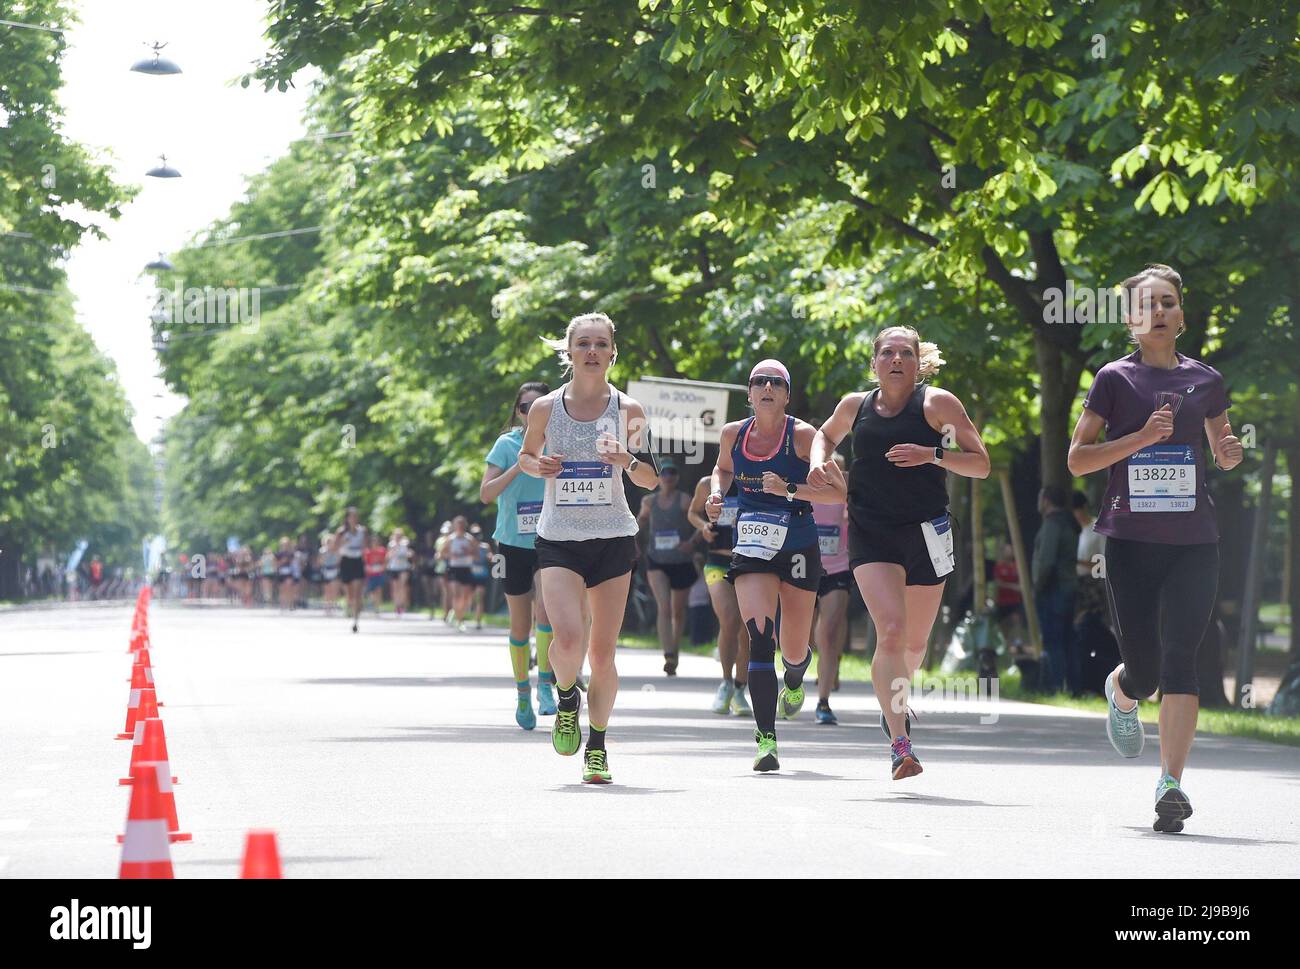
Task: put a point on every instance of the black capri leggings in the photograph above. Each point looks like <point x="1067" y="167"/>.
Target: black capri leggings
<point x="1161" y="597"/>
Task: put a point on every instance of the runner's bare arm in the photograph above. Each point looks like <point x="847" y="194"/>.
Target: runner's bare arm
<point x="531" y="459"/>
<point x="828" y="437"/>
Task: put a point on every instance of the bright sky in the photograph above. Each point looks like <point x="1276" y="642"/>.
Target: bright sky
<point x="214" y="132"/>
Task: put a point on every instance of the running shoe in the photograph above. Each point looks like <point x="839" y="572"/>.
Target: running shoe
<point x="596" y="768"/>
<point x="790" y="702"/>
<point x="545" y="698"/>
<point x="905" y="763"/>
<point x="722" y="702"/>
<point x="907" y="724"/>
<point x="354" y="625"/>
<point x="524" y="715"/>
<point x="1123" y="729"/>
<point x="825" y="715"/>
<point x="566" y="734"/>
<point x="1172" y="805"/>
<point x="670" y="664"/>
<point x="740" y="705"/>
<point x="766" y="759"/>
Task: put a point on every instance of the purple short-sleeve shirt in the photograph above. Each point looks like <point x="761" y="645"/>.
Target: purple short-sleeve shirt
<point x="1124" y="394"/>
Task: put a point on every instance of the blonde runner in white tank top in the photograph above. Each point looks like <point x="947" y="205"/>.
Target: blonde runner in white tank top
<point x="587" y="499"/>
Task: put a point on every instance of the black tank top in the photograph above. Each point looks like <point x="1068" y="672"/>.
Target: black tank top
<point x="881" y="493"/>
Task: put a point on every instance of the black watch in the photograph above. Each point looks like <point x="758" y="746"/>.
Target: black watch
<point x="790" y="490"/>
<point x="938" y="455"/>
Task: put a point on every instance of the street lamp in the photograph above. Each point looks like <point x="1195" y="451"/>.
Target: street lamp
<point x="156" y="64"/>
<point x="164" y="170"/>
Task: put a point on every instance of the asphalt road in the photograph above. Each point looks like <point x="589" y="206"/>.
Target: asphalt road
<point x="394" y="753"/>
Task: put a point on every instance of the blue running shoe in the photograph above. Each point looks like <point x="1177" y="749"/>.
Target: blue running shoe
<point x="825" y="715"/>
<point x="524" y="715"/>
<point x="545" y="697"/>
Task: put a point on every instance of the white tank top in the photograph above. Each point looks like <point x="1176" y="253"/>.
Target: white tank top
<point x="583" y="478"/>
<point x="354" y="542"/>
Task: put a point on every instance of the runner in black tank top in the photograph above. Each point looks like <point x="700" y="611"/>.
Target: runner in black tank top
<point x="900" y="537"/>
<point x="670" y="569"/>
<point x="733" y="638"/>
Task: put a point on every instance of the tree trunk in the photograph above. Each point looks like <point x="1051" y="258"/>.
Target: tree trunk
<point x="11" y="569"/>
<point x="1293" y="528"/>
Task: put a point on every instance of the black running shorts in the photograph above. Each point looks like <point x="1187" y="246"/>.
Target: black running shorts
<point x="801" y="568"/>
<point x="597" y="560"/>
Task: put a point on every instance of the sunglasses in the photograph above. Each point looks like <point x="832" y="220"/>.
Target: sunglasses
<point x="767" y="380"/>
<point x="523" y="408"/>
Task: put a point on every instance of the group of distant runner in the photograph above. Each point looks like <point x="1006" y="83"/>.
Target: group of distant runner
<point x="790" y="526"/>
<point x="354" y="563"/>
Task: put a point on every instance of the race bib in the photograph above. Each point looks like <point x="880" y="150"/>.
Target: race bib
<point x="585" y="483"/>
<point x="760" y="534"/>
<point x="526" y="515"/>
<point x="727" y="516"/>
<point x="938" y="542"/>
<point x="829" y="539"/>
<point x="667" y="539"/>
<point x="1162" y="478"/>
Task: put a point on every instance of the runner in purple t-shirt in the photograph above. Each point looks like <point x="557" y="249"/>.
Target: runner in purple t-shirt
<point x="1162" y="541"/>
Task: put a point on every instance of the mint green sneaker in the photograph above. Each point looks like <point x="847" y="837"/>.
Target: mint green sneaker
<point x="789" y="702"/>
<point x="524" y="715"/>
<point x="1123" y="729"/>
<point x="1172" y="805"/>
<point x="566" y="734"/>
<point x="722" y="702"/>
<point x="739" y="705"/>
<point x="766" y="759"/>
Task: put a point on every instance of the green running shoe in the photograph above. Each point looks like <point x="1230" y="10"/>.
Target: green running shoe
<point x="790" y="702"/>
<point x="766" y="759"/>
<point x="596" y="769"/>
<point x="566" y="734"/>
<point x="1172" y="806"/>
<point x="524" y="715"/>
<point x="1123" y="729"/>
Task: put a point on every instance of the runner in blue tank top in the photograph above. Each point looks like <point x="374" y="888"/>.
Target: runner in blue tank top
<point x="775" y="558"/>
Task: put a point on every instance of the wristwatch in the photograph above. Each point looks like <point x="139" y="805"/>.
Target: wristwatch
<point x="632" y="465"/>
<point x="790" y="489"/>
<point x="938" y="455"/>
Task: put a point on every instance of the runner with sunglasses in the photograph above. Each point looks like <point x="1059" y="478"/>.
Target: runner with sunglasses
<point x="1162" y="539"/>
<point x="776" y="561"/>
<point x="586" y="535"/>
<point x="519" y="499"/>
<point x="900" y="534"/>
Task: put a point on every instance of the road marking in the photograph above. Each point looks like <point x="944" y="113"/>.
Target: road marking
<point x="903" y="848"/>
<point x="4" y="862"/>
<point x="43" y="767"/>
<point x="18" y="824"/>
<point x="32" y="792"/>
<point x="56" y="748"/>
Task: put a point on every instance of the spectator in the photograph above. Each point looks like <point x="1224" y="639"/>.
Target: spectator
<point x="1053" y="570"/>
<point x="1008" y="605"/>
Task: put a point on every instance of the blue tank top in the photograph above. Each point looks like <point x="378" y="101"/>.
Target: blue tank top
<point x="802" y="530"/>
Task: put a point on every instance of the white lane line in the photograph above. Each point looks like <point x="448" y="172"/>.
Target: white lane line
<point x="18" y="824"/>
<point x="43" y="767"/>
<point x="903" y="848"/>
<point x="32" y="792"/>
<point x="56" y="748"/>
<point x="4" y="862"/>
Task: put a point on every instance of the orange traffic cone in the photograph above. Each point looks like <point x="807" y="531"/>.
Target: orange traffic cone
<point x="166" y="799"/>
<point x="142" y="658"/>
<point x="145" y="851"/>
<point x="141" y="676"/>
<point x="142" y="705"/>
<point x="150" y="743"/>
<point x="261" y="856"/>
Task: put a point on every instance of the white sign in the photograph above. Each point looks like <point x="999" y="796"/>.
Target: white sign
<point x="682" y="412"/>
